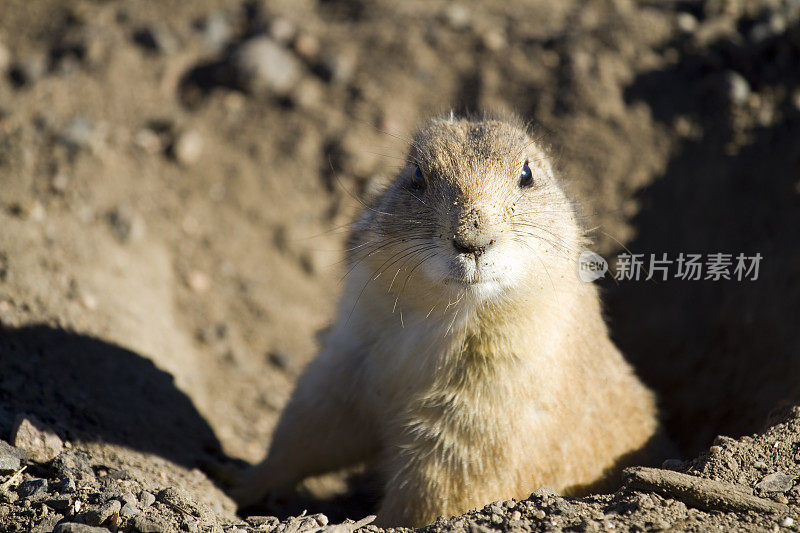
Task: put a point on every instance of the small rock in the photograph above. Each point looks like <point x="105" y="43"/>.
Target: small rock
<point x="188" y="147"/>
<point x="31" y="487"/>
<point x="128" y="498"/>
<point x="545" y="492"/>
<point x="260" y="65"/>
<point x="269" y="521"/>
<point x="128" y="511"/>
<point x="9" y="464"/>
<point x="760" y="465"/>
<point x="787" y="522"/>
<point x="282" y="30"/>
<point x="73" y="527"/>
<point x="494" y="40"/>
<point x="320" y="519"/>
<point x="686" y="22"/>
<point x="8" y="496"/>
<point x="150" y="525"/>
<point x="157" y="39"/>
<point x="60" y="503"/>
<point x="198" y="281"/>
<point x="516" y="515"/>
<point x="106" y="511"/>
<point x="10" y="456"/>
<point x="776" y="482"/>
<point x="146" y="499"/>
<point x="65" y="485"/>
<point x="148" y="140"/>
<point x="74" y="465"/>
<point x="126" y="224"/>
<point x="457" y="16"/>
<point x="216" y="31"/>
<point x="79" y="133"/>
<point x="307" y="46"/>
<point x="178" y="499"/>
<point x="32" y="436"/>
<point x="736" y="88"/>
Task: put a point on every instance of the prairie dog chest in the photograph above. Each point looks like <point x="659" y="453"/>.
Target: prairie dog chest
<point x="440" y="375"/>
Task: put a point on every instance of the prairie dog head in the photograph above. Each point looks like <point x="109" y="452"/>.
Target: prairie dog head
<point x="476" y="213"/>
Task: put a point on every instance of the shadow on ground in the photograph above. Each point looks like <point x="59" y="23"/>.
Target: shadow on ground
<point x="88" y="388"/>
<point x="721" y="354"/>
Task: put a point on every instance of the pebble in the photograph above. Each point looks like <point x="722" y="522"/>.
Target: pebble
<point x="149" y="525"/>
<point x="10" y="456"/>
<point x="198" y="281"/>
<point x="736" y="88"/>
<point x="307" y="46"/>
<point x="106" y="511"/>
<point x="126" y="224"/>
<point x="544" y="492"/>
<point x="79" y="133"/>
<point x="776" y="482"/>
<point x="148" y="140"/>
<point x="282" y="30"/>
<point x="269" y="521"/>
<point x="188" y="147"/>
<point x="494" y="40"/>
<point x="260" y="65"/>
<point x="72" y="465"/>
<point x="9" y="464"/>
<point x="65" y="485"/>
<point x="73" y="527"/>
<point x="60" y="503"/>
<point x="516" y="515"/>
<point x="42" y="445"/>
<point x="686" y="22"/>
<point x="146" y="499"/>
<point x="216" y="31"/>
<point x="787" y="522"/>
<point x="127" y="498"/>
<point x="128" y="511"/>
<point x="457" y="16"/>
<point x="30" y="487"/>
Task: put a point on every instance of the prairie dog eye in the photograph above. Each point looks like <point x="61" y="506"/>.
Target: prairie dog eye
<point x="526" y="176"/>
<point x="418" y="180"/>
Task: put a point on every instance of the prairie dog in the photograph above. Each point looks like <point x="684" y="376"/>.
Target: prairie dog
<point x="467" y="362"/>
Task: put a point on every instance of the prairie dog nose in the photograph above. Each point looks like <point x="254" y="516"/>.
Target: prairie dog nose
<point x="473" y="233"/>
<point x="465" y="245"/>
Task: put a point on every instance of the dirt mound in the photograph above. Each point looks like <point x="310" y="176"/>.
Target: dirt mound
<point x="176" y="180"/>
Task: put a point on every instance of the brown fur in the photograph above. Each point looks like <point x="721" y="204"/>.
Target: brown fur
<point x="468" y="391"/>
